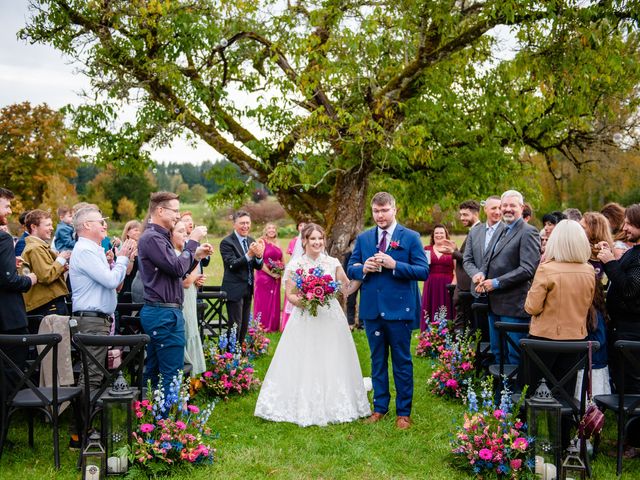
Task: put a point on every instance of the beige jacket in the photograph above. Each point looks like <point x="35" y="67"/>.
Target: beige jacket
<point x="39" y="257"/>
<point x="559" y="300"/>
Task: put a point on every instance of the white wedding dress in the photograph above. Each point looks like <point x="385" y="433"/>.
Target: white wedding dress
<point x="315" y="376"/>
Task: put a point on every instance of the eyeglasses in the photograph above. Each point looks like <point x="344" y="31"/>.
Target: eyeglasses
<point x="174" y="210"/>
<point x="102" y="221"/>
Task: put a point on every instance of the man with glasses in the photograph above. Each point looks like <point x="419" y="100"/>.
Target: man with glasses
<point x="94" y="282"/>
<point x="161" y="272"/>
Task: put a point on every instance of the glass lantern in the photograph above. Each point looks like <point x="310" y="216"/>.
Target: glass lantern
<point x="117" y="424"/>
<point x="94" y="463"/>
<point x="544" y="418"/>
<point x="573" y="468"/>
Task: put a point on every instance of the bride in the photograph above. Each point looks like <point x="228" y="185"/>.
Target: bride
<point x="314" y="377"/>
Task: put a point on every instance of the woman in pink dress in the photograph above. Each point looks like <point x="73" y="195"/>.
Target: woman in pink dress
<point x="441" y="273"/>
<point x="294" y="250"/>
<point x="266" y="296"/>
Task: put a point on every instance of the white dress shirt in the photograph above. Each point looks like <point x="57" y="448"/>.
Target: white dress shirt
<point x="93" y="282"/>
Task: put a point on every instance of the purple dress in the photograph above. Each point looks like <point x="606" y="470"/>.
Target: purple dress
<point x="434" y="293"/>
<point x="266" y="300"/>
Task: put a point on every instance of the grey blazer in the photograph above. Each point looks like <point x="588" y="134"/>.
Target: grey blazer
<point x="512" y="260"/>
<point x="474" y="253"/>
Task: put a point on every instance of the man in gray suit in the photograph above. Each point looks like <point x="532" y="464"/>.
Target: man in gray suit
<point x="478" y="240"/>
<point x="510" y="266"/>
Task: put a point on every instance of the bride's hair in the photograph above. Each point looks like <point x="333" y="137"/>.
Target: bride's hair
<point x="308" y="230"/>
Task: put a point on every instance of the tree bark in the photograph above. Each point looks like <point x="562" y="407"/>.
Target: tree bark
<point x="345" y="213"/>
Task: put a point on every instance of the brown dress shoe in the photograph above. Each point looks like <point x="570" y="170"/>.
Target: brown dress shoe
<point x="375" y="417"/>
<point x="403" y="423"/>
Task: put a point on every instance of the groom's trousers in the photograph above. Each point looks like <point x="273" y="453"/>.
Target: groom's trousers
<point x="391" y="336"/>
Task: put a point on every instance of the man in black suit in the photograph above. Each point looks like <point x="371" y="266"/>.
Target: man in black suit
<point x="13" y="316"/>
<point x="241" y="255"/>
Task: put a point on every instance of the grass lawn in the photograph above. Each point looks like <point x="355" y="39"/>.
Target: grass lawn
<point x="249" y="447"/>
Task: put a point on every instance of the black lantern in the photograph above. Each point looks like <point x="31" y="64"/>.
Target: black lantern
<point x="573" y="468"/>
<point x="544" y="418"/>
<point x="117" y="413"/>
<point x="94" y="459"/>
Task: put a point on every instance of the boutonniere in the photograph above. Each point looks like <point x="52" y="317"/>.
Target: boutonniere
<point x="394" y="245"/>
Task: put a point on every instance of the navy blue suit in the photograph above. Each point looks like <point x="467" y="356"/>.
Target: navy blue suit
<point x="390" y="307"/>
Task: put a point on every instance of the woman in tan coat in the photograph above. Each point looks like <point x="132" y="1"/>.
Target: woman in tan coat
<point x="561" y="294"/>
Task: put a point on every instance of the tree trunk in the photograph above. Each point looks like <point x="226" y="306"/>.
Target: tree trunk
<point x="345" y="213"/>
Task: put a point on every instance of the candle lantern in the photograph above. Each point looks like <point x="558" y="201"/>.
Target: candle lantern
<point x="94" y="463"/>
<point x="573" y="468"/>
<point x="544" y="418"/>
<point x="117" y="424"/>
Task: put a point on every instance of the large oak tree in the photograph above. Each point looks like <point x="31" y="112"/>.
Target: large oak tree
<point x="325" y="100"/>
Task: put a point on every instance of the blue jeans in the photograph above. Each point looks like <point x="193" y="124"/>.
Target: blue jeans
<point x="512" y="355"/>
<point x="165" y="351"/>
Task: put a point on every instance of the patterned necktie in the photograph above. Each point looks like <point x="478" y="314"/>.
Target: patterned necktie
<point x="382" y="246"/>
<point x="245" y="247"/>
<point x="487" y="238"/>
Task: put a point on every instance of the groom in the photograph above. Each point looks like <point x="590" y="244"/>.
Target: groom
<point x="389" y="260"/>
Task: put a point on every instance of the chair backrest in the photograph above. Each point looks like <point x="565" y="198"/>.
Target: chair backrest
<point x="214" y="317"/>
<point x="628" y="351"/>
<point x="534" y="351"/>
<point x="504" y="328"/>
<point x="135" y="343"/>
<point x="24" y="378"/>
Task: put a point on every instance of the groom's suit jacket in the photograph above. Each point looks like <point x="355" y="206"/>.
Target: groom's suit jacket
<point x="390" y="294"/>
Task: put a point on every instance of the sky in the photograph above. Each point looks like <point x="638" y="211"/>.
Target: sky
<point x="40" y="74"/>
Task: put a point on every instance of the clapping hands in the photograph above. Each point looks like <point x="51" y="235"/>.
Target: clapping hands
<point x="256" y="249"/>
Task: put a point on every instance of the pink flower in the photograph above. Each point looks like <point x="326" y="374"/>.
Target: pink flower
<point x="139" y="414"/>
<point x="520" y="443"/>
<point x="498" y="414"/>
<point x="516" y="464"/>
<point x="193" y="409"/>
<point x="452" y="383"/>
<point x="485" y="454"/>
<point x="465" y="366"/>
<point x="147" y="427"/>
<point x="207" y="374"/>
<point x="181" y="425"/>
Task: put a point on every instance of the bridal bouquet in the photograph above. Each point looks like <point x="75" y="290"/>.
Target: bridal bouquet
<point x="315" y="288"/>
<point x="492" y="442"/>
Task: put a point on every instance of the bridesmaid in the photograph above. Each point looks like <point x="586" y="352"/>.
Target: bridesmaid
<point x="441" y="273"/>
<point x="266" y="300"/>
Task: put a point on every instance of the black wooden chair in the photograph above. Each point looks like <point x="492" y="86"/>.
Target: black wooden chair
<point x="535" y="363"/>
<point x="625" y="406"/>
<point x="25" y="394"/>
<point x="480" y="321"/>
<point x="503" y="371"/>
<point x="214" y="319"/>
<point x="132" y="345"/>
<point x="128" y="318"/>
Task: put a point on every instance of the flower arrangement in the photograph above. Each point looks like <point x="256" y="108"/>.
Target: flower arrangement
<point x="229" y="372"/>
<point x="256" y="342"/>
<point x="431" y="341"/>
<point x="315" y="288"/>
<point x="276" y="266"/>
<point x="394" y="245"/>
<point x="170" y="431"/>
<point x="492" y="441"/>
<point x="454" y="365"/>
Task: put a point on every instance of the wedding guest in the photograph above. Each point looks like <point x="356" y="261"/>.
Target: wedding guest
<point x="241" y="255"/>
<point x="48" y="296"/>
<point x="596" y="227"/>
<point x="94" y="282"/>
<point x="161" y="272"/>
<point x="441" y="272"/>
<point x="295" y="250"/>
<point x="187" y="218"/>
<point x="615" y="213"/>
<point x="527" y="212"/>
<point x="550" y="220"/>
<point x="193" y="352"/>
<point x="266" y="301"/>
<point x="63" y="238"/>
<point x="623" y="295"/>
<point x="132" y="230"/>
<point x="469" y="212"/>
<point x="508" y="271"/>
<point x="20" y="244"/>
<point x="13" y="317"/>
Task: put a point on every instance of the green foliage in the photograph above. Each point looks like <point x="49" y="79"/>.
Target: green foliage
<point x="320" y="101"/>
